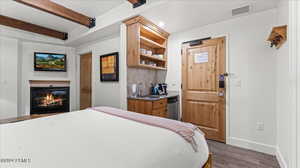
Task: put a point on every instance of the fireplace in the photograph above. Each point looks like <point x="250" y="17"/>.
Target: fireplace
<point x="50" y="100"/>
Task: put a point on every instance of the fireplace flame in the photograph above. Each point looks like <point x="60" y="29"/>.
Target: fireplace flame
<point x="49" y="99"/>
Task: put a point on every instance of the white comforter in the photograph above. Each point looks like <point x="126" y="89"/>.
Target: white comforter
<point x="90" y="139"/>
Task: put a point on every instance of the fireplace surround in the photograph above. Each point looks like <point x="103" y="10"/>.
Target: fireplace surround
<point x="46" y="100"/>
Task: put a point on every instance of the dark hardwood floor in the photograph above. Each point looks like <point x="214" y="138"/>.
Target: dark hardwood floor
<point x="227" y="156"/>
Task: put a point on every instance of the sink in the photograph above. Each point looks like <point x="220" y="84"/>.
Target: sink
<point x="152" y="96"/>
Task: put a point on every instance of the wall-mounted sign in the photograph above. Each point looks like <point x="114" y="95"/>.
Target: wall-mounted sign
<point x="201" y="58"/>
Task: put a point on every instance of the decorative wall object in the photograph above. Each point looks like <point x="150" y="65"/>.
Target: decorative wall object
<point x="50" y="62"/>
<point x="109" y="67"/>
<point x="278" y="36"/>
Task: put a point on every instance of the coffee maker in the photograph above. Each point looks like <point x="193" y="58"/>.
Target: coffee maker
<point x="159" y="89"/>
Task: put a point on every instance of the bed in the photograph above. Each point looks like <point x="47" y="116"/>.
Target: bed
<point x="92" y="139"/>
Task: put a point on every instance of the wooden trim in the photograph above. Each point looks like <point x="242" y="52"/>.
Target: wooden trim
<point x="49" y="81"/>
<point x="59" y="10"/>
<point x="18" y="24"/>
<point x="208" y="164"/>
<point x="148" y="24"/>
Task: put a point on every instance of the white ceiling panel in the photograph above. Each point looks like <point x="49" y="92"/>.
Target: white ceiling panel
<point x="178" y="15"/>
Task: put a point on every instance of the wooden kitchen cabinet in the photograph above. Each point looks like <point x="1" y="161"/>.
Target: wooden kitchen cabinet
<point x="143" y="35"/>
<point x="155" y="108"/>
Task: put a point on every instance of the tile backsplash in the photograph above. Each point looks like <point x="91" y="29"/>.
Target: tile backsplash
<point x="145" y="77"/>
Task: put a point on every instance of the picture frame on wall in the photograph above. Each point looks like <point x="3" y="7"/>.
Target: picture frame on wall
<point x="109" y="67"/>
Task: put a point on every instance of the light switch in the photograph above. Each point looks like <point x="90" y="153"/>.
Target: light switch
<point x="238" y="83"/>
<point x="260" y="126"/>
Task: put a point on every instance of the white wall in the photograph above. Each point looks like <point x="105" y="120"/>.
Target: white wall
<point x="252" y="66"/>
<point x="103" y="93"/>
<point x="283" y="102"/>
<point x="28" y="73"/>
<point x="8" y="77"/>
<point x="16" y="69"/>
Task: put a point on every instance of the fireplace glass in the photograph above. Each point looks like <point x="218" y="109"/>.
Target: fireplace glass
<point x="50" y="100"/>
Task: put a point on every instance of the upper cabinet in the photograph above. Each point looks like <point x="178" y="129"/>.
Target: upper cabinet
<point x="146" y="44"/>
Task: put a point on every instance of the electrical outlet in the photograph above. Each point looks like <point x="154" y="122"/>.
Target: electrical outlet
<point x="260" y="126"/>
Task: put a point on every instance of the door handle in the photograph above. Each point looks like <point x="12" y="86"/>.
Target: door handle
<point x="225" y="74"/>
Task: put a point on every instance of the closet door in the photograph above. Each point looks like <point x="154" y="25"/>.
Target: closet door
<point x="85" y="81"/>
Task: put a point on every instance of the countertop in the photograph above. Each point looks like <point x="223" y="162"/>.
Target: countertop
<point x="154" y="98"/>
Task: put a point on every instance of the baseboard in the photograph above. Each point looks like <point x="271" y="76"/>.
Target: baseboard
<point x="251" y="145"/>
<point x="280" y="159"/>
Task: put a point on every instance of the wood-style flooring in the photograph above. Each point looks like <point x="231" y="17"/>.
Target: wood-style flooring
<point x="227" y="156"/>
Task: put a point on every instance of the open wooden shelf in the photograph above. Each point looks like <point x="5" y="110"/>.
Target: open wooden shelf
<point x="151" y="43"/>
<point x="152" y="58"/>
<point x="152" y="67"/>
<point x="151" y="34"/>
<point x="143" y="34"/>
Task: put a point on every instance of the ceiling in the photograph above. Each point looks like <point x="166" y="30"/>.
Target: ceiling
<point x="90" y="8"/>
<point x="179" y="15"/>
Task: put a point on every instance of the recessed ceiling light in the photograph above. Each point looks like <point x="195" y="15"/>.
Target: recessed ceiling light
<point x="161" y="24"/>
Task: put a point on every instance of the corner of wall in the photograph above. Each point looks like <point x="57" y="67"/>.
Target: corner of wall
<point x="123" y="67"/>
<point x="280" y="159"/>
<point x="252" y="145"/>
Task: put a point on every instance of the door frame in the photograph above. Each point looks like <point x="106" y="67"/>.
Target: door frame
<point x="227" y="104"/>
<point x="78" y="76"/>
<point x="294" y="51"/>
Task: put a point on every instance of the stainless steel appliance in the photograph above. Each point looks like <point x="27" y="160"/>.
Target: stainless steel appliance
<point x="173" y="108"/>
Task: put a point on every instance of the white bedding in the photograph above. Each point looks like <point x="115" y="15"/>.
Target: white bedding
<point x="90" y="139"/>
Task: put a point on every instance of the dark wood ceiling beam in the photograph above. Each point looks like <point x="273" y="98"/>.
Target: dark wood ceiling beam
<point x="61" y="11"/>
<point x="137" y="3"/>
<point x="15" y="23"/>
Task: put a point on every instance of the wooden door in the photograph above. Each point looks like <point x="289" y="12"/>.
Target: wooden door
<point x="203" y="92"/>
<point x="85" y="81"/>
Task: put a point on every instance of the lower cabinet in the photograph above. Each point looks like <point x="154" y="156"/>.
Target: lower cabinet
<point x="156" y="108"/>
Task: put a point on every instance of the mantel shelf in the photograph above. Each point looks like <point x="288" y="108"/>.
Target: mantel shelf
<point x="50" y="83"/>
